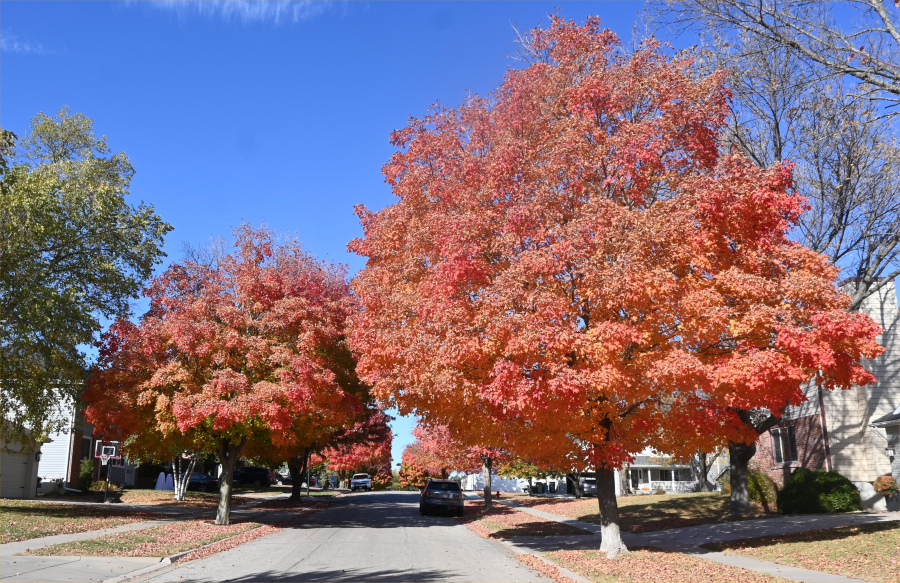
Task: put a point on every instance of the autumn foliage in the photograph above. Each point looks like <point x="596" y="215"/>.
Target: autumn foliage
<point x="574" y="272"/>
<point x="236" y="355"/>
<point x="364" y="447"/>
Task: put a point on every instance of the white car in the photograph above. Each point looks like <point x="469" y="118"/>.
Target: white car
<point x="360" y="482"/>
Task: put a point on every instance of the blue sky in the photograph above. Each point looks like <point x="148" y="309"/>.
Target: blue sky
<point x="275" y="113"/>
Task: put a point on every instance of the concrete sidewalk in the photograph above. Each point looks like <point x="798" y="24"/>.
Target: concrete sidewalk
<point x="15" y="568"/>
<point x="688" y="540"/>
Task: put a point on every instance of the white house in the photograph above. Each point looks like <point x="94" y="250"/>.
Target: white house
<point x="61" y="459"/>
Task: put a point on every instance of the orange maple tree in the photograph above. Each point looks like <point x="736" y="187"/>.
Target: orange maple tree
<point x="365" y="447"/>
<point x="574" y="273"/>
<point x="233" y="356"/>
<point x="414" y="466"/>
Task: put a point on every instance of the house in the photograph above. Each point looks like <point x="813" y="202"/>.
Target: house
<point x="890" y="424"/>
<point x="19" y="469"/>
<point x="649" y="473"/>
<point x="843" y="430"/>
<point x="646" y="474"/>
<point x="62" y="457"/>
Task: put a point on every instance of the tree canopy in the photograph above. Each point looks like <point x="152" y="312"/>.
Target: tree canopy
<point x="72" y="250"/>
<point x="573" y="270"/>
<point x="235" y="355"/>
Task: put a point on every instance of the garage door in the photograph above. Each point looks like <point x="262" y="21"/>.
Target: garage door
<point x="13" y="475"/>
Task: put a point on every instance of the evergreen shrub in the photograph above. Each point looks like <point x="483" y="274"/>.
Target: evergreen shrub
<point x="86" y="474"/>
<point x="816" y="491"/>
<point x="761" y="488"/>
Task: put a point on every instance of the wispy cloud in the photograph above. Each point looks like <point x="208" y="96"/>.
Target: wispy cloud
<point x="10" y="43"/>
<point x="276" y="11"/>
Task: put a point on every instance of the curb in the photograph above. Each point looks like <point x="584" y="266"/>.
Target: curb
<point x="171" y="559"/>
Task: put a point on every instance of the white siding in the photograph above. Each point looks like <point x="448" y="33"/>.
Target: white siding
<point x="55" y="457"/>
<point x="857" y="450"/>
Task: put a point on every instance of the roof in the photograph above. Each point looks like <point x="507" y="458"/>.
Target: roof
<point x="889" y="419"/>
<point x="646" y="461"/>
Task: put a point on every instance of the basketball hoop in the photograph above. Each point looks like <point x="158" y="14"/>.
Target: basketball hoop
<point x="104" y="459"/>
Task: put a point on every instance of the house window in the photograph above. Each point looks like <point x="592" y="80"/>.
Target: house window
<point x="784" y="444"/>
<point x="86" y="452"/>
<point x="665" y="475"/>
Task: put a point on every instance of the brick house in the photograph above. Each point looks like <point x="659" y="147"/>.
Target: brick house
<point x="833" y="430"/>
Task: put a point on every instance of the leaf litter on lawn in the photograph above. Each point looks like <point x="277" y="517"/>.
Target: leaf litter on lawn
<point x="504" y="522"/>
<point x="865" y="551"/>
<point x="158" y="541"/>
<point x="29" y="519"/>
<point x="646" y="513"/>
<point x="650" y="565"/>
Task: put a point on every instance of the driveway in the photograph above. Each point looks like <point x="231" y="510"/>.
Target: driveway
<point x="370" y="536"/>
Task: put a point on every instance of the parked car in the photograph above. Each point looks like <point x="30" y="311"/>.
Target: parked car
<point x="588" y="486"/>
<point x="285" y="479"/>
<point x="360" y="482"/>
<point x="203" y="483"/>
<point x="441" y="495"/>
<point x="262" y="477"/>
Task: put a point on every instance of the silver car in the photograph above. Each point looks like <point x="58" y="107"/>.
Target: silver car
<point x="588" y="486"/>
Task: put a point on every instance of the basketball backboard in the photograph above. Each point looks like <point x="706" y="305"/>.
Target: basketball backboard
<point x="107" y="448"/>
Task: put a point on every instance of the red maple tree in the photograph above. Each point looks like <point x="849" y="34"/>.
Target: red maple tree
<point x="365" y="447"/>
<point x="233" y="356"/>
<point x="572" y="271"/>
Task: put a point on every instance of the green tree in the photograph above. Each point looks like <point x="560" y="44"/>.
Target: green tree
<point x="71" y="251"/>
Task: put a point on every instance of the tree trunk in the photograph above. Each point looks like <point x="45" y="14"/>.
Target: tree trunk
<point x="740" y="454"/>
<point x="611" y="536"/>
<point x="701" y="467"/>
<point x="486" y="469"/>
<point x="624" y="483"/>
<point x="573" y="479"/>
<point x="297" y="469"/>
<point x="182" y="479"/>
<point x="228" y="454"/>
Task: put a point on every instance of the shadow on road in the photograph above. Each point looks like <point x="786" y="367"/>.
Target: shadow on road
<point x="354" y="575"/>
<point x="374" y="510"/>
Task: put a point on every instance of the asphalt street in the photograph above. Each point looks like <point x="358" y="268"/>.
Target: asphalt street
<point x="367" y="536"/>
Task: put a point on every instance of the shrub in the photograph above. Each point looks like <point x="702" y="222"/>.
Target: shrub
<point x="86" y="474"/>
<point x="761" y="488"/>
<point x="811" y="492"/>
<point x="886" y="486"/>
<point x="100" y="486"/>
<point x="660" y="491"/>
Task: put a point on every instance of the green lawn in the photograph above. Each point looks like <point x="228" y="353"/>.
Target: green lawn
<point x="158" y="541"/>
<point x="647" y="512"/>
<point x="165" y="498"/>
<point x="28" y="519"/>
<point x="868" y="551"/>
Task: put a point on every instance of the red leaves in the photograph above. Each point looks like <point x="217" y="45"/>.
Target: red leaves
<point x="654" y="566"/>
<point x="571" y="271"/>
<point x="242" y="344"/>
<point x="365" y="447"/>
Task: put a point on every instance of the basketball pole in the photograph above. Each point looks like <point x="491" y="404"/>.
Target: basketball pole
<point x="106" y="490"/>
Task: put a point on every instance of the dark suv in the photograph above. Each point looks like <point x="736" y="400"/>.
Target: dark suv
<point x="441" y="495"/>
<point x="203" y="483"/>
<point x="263" y="477"/>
